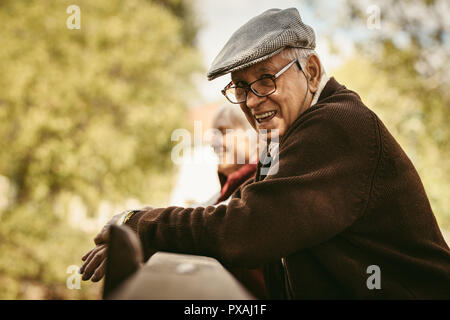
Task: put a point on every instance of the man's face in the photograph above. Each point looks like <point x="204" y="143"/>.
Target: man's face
<point x="285" y="102"/>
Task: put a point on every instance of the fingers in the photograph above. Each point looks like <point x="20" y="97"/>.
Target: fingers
<point x="91" y="254"/>
<point x="86" y="255"/>
<point x="97" y="258"/>
<point x="99" y="272"/>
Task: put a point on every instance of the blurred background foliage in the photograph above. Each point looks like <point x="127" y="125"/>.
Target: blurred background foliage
<point x="86" y="115"/>
<point x="401" y="72"/>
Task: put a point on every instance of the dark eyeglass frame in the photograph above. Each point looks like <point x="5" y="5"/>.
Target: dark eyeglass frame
<point x="249" y="86"/>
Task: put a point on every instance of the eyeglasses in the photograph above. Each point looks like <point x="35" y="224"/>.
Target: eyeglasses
<point x="262" y="87"/>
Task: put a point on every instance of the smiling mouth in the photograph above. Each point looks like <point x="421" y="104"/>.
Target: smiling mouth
<point x="264" y="117"/>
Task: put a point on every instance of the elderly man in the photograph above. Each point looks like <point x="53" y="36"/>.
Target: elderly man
<point x="343" y="215"/>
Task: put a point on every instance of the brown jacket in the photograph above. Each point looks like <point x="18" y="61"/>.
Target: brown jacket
<point x="252" y="279"/>
<point x="346" y="197"/>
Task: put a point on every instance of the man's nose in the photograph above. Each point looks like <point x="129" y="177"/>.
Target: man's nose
<point x="253" y="100"/>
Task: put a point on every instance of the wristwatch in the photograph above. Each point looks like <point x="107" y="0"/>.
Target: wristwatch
<point x="126" y="216"/>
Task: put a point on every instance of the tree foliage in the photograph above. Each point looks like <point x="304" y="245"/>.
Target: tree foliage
<point x="85" y="114"/>
<point x="400" y="71"/>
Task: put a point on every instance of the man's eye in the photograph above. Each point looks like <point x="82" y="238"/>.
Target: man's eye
<point x="241" y="84"/>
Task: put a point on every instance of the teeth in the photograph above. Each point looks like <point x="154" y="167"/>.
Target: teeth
<point x="264" y="115"/>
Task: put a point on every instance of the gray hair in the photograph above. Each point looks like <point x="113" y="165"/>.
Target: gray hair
<point x="230" y="116"/>
<point x="302" y="55"/>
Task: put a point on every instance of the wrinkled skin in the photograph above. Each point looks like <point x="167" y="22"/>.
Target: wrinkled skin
<point x="95" y="259"/>
<point x="94" y="265"/>
<point x="288" y="99"/>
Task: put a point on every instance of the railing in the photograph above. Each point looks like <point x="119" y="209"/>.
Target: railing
<point x="165" y="275"/>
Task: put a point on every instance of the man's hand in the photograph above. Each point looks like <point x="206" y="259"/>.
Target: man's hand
<point x="103" y="236"/>
<point x="95" y="260"/>
<point x="94" y="263"/>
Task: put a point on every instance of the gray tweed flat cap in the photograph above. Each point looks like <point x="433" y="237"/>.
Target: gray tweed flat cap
<point x="261" y="38"/>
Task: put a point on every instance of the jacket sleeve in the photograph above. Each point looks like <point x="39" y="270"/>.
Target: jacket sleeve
<point x="326" y="166"/>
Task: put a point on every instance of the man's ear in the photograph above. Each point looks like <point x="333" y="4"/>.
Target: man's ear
<point x="313" y="72"/>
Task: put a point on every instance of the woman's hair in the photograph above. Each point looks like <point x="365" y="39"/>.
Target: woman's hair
<point x="230" y="116"/>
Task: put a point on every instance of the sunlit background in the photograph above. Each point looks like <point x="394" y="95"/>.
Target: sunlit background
<point x="86" y="115"/>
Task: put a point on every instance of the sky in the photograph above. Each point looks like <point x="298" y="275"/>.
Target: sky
<point x="219" y="19"/>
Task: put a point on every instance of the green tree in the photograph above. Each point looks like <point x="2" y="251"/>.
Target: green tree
<point x="400" y="71"/>
<point x="87" y="115"/>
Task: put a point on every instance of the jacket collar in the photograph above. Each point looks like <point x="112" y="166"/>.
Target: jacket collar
<point x="331" y="87"/>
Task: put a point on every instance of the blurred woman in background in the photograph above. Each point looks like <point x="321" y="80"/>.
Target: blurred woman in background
<point x="235" y="145"/>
